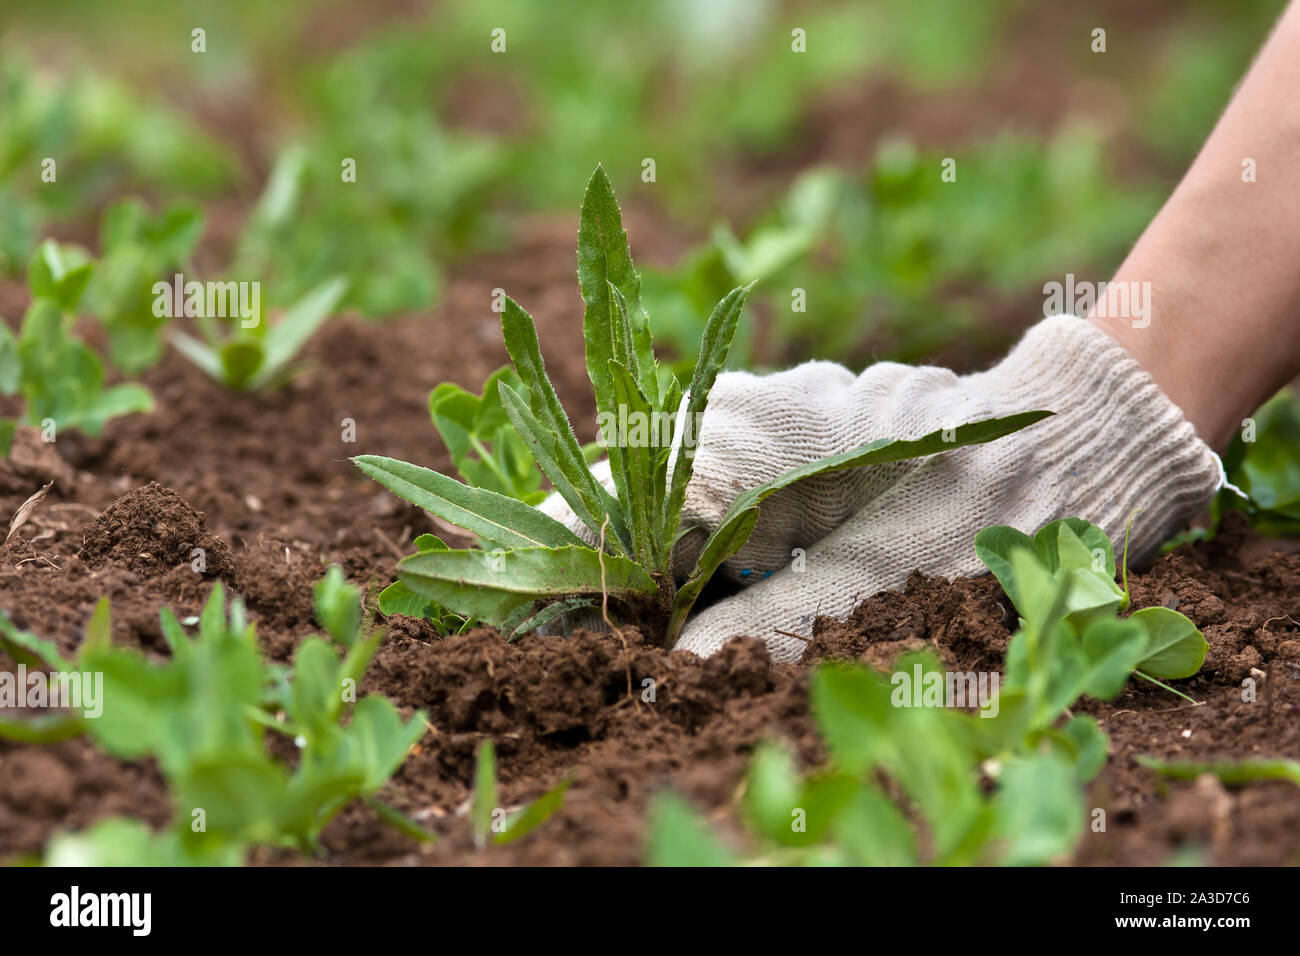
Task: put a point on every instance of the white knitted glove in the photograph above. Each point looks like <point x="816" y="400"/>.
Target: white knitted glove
<point x="825" y="544"/>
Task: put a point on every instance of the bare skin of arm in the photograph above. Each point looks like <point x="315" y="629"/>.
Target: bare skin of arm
<point x="1223" y="256"/>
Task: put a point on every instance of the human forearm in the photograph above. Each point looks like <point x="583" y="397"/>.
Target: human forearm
<point x="1222" y="256"/>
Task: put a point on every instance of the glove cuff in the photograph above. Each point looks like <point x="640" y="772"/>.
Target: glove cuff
<point x="1123" y="437"/>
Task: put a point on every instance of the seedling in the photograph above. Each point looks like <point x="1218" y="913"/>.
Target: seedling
<point x="1074" y="550"/>
<point x="1002" y="786"/>
<point x="137" y="250"/>
<point x="259" y="356"/>
<point x="202" y="715"/>
<point x="397" y="598"/>
<point x="536" y="562"/>
<point x="485" y="448"/>
<point x="490" y="822"/>
<point x="60" y="378"/>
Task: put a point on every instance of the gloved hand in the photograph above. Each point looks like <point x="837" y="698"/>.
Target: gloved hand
<point x="823" y="545"/>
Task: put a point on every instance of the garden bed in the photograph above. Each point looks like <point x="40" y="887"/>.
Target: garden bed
<point x="262" y="483"/>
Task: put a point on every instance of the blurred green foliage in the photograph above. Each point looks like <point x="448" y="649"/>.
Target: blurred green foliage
<point x="901" y="257"/>
<point x="446" y="133"/>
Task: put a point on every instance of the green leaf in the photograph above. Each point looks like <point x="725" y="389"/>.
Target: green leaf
<point x="772" y="792"/>
<point x="548" y="614"/>
<point x="494" y="518"/>
<point x="1175" y="648"/>
<point x="200" y="353"/>
<point x="874" y="831"/>
<point x="59" y="272"/>
<point x="491" y="585"/>
<point x="1112" y="648"/>
<point x="125" y="399"/>
<point x="634" y="462"/>
<point x="851" y="705"/>
<point x="485" y="793"/>
<point x="1071" y="546"/>
<point x="1040" y="810"/>
<point x="1075" y="543"/>
<point x="525" y="821"/>
<point x="400" y="822"/>
<point x="120" y="842"/>
<point x="485" y="448"/>
<point x="397" y="598"/>
<point x="543" y="424"/>
<point x="604" y="260"/>
<point x="719" y="332"/>
<point x="726" y="541"/>
<point x="29" y="649"/>
<point x="11" y="368"/>
<point x="1090" y="742"/>
<point x="299" y="323"/>
<point x="1233" y="773"/>
<point x="41" y="729"/>
<point x="316" y="693"/>
<point x="678" y="837"/>
<point x="920" y="747"/>
<point x="381" y="738"/>
<point x="338" y="606"/>
<point x="242" y="363"/>
<point x="994" y="546"/>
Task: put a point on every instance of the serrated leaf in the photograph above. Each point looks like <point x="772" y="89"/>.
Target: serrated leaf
<point x="491" y="586"/>
<point x="494" y="518"/>
<point x="604" y="260"/>
<point x="719" y="331"/>
<point x="547" y="430"/>
<point x="634" y="462"/>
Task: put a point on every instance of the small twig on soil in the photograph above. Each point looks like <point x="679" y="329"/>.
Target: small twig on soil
<point x="806" y="640"/>
<point x="388" y="542"/>
<point x="1281" y="617"/>
<point x="1170" y="710"/>
<point x="604" y="609"/>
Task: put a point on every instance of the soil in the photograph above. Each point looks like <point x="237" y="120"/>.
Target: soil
<point x="262" y="484"/>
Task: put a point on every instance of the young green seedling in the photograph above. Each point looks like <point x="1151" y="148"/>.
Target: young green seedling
<point x="1002" y="784"/>
<point x="962" y="803"/>
<point x="259" y="356"/>
<point x="536" y="562"/>
<point x="485" y="448"/>
<point x="202" y="715"/>
<point x="1073" y="549"/>
<point x="489" y="821"/>
<point x="59" y="377"/>
<point x="137" y="251"/>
